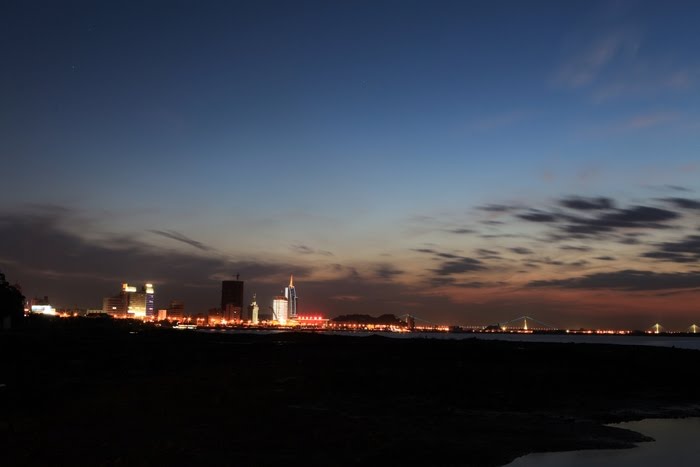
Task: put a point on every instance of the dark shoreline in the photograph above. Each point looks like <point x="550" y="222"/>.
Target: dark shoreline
<point x="84" y="392"/>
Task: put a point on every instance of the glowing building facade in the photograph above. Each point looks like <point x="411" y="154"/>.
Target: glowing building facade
<point x="150" y="300"/>
<point x="253" y="310"/>
<point x="290" y="293"/>
<point x="131" y="302"/>
<point x="280" y="309"/>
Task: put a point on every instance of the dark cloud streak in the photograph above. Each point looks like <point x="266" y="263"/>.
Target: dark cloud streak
<point x="628" y="280"/>
<point x="177" y="236"/>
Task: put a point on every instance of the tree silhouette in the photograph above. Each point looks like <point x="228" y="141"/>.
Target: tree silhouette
<point x="11" y="304"/>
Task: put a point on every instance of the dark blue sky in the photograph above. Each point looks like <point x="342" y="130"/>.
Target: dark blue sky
<point x="337" y="141"/>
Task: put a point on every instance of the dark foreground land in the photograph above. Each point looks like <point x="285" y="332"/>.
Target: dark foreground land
<point x="83" y="392"/>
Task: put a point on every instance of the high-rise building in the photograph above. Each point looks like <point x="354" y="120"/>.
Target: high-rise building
<point x="131" y="302"/>
<point x="115" y="305"/>
<point x="137" y="305"/>
<point x="232" y="299"/>
<point x="280" y="310"/>
<point x="150" y="300"/>
<point x="176" y="310"/>
<point x="253" y="310"/>
<point x="290" y="293"/>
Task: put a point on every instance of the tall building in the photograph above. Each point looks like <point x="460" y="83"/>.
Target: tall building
<point x="290" y="294"/>
<point x="176" y="310"/>
<point x="253" y="310"/>
<point x="232" y="299"/>
<point x="150" y="300"/>
<point x="131" y="302"/>
<point x="115" y="305"/>
<point x="280" y="310"/>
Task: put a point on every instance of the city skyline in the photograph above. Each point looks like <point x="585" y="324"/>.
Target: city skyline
<point x="467" y="163"/>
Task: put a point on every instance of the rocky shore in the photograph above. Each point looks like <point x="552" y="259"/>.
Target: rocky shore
<point x="92" y="392"/>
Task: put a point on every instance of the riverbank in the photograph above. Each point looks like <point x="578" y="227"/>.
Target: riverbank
<point x="92" y="393"/>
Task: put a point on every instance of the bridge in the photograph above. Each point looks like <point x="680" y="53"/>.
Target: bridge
<point x="414" y="321"/>
<point x="532" y="325"/>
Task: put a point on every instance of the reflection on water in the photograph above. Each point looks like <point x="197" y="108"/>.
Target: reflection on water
<point x="676" y="445"/>
<point x="656" y="341"/>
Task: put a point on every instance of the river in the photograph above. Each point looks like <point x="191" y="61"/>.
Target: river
<point x="676" y="445"/>
<point x="680" y="342"/>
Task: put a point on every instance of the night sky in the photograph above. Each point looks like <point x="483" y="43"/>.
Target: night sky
<point x="464" y="162"/>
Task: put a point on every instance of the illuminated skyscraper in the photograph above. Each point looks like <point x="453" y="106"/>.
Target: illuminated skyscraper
<point x="130" y="302"/>
<point x="150" y="300"/>
<point x="232" y="299"/>
<point x="253" y="311"/>
<point x="290" y="294"/>
<point x="280" y="310"/>
<point x="136" y="301"/>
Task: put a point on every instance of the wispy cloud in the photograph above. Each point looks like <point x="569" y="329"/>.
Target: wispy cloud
<point x="583" y="66"/>
<point x="644" y="79"/>
<point x="630" y="279"/>
<point x="174" y="235"/>
<point x="643" y="121"/>
<point x="307" y="250"/>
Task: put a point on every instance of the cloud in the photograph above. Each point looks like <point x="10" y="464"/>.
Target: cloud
<point x="498" y="208"/>
<point x="587" y="204"/>
<point x="307" y="250"/>
<point x="437" y="254"/>
<point x="459" y="266"/>
<point x="485" y="253"/>
<point x="442" y="281"/>
<point x="462" y="231"/>
<point x="684" y="203"/>
<point x="554" y="262"/>
<point x="49" y="260"/>
<point x="646" y="217"/>
<point x="425" y="250"/>
<point x="535" y="215"/>
<point x="678" y="188"/>
<point x="609" y="220"/>
<point x="649" y="120"/>
<point x="387" y="271"/>
<point x="584" y="66"/>
<point x="605" y="258"/>
<point x="686" y="250"/>
<point x="347" y="298"/>
<point x="174" y="235"/>
<point x="447" y="255"/>
<point x="628" y="280"/>
<point x="521" y="251"/>
<point x="575" y="248"/>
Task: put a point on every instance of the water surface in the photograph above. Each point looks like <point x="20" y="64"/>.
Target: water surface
<point x="677" y="444"/>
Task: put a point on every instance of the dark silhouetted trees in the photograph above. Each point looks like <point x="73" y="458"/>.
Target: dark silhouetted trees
<point x="11" y="304"/>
